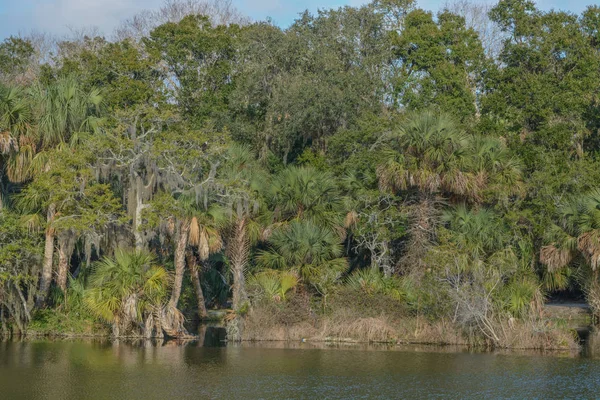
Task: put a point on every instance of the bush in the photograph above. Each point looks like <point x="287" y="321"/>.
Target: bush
<point x="295" y="309"/>
<point x="349" y="300"/>
<point x="57" y="322"/>
<point x="271" y="284"/>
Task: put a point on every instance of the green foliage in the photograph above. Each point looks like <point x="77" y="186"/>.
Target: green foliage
<point x="442" y="64"/>
<point x="20" y="262"/>
<point x="309" y="81"/>
<point x="199" y="59"/>
<point x="305" y="193"/>
<point x="371" y="282"/>
<point x="518" y="296"/>
<point x="272" y="284"/>
<point x="431" y="153"/>
<point x="124" y="290"/>
<point x="299" y="245"/>
<point x="15" y="56"/>
<point x="313" y="251"/>
<point x="50" y="322"/>
<point x="65" y="110"/>
<point x="364" y="157"/>
<point x="126" y="75"/>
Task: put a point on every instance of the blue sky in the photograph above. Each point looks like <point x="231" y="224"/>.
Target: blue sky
<point x="56" y="16"/>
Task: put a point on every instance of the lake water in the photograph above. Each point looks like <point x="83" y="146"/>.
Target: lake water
<point x="144" y="370"/>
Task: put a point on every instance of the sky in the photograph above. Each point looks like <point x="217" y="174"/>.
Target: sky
<point x="59" y="16"/>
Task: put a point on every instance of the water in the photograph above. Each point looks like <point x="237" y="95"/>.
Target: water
<point x="145" y="370"/>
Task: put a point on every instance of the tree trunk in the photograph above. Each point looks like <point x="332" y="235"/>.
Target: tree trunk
<point x="3" y="322"/>
<point x="65" y="250"/>
<point x="137" y="220"/>
<point x="238" y="256"/>
<point x="193" y="267"/>
<point x="46" y="277"/>
<point x="184" y="230"/>
<point x="172" y="319"/>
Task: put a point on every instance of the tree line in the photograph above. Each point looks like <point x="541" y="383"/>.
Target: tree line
<point x="447" y="163"/>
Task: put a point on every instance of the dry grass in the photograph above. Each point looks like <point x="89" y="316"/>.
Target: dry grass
<point x="419" y="330"/>
<point x="537" y="335"/>
<point x="260" y="326"/>
<point x="361" y="329"/>
<point x="555" y="258"/>
<point x="344" y="326"/>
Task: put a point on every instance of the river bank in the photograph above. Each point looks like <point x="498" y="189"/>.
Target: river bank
<point x="343" y="326"/>
<point x="261" y="327"/>
<point x="557" y="327"/>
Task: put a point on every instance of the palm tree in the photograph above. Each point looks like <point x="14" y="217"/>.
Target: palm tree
<point x="129" y="291"/>
<point x="197" y="227"/>
<point x="241" y="181"/>
<point x="305" y="248"/>
<point x="577" y="230"/>
<point x="305" y="193"/>
<point x="15" y="113"/>
<point x="498" y="170"/>
<point x="479" y="233"/>
<point x="15" y="124"/>
<point x="576" y="236"/>
<point x="573" y="248"/>
<point x="63" y="111"/>
<point x="205" y="234"/>
<point x="432" y="156"/>
<point x="239" y="185"/>
<point x="429" y="153"/>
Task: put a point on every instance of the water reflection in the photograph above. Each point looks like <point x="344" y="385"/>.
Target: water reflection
<point x="203" y="368"/>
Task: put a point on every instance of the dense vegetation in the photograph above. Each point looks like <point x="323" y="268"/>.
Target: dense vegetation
<point x="361" y="167"/>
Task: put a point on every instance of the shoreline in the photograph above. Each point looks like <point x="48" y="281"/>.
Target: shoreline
<point x="417" y="347"/>
<point x="290" y="343"/>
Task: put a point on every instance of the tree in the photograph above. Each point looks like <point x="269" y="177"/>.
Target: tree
<point x="305" y="248"/>
<point x="74" y="205"/>
<point x="126" y="75"/>
<point x="15" y="60"/>
<point x="129" y="292"/>
<point x="240" y="180"/>
<point x="303" y="193"/>
<point x="64" y="112"/>
<point x="20" y="262"/>
<point x="544" y="53"/>
<point x="192" y="225"/>
<point x="576" y="237"/>
<point x="298" y="87"/>
<point x="431" y="156"/>
<point x="220" y="12"/>
<point x="198" y="58"/>
<point x="206" y="235"/>
<point x="440" y="64"/>
<point x="16" y="147"/>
